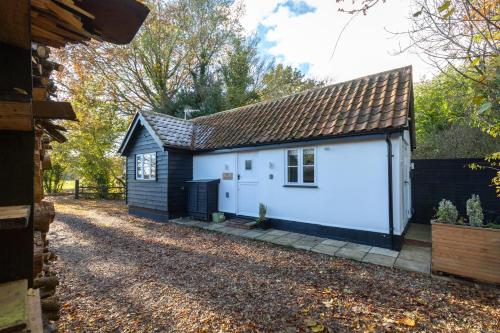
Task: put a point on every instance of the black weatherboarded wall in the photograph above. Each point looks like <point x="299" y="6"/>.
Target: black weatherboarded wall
<point x="451" y="179"/>
<point x="149" y="194"/>
<point x="180" y="170"/>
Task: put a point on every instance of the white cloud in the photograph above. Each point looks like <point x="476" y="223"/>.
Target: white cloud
<point x="256" y="11"/>
<point x="365" y="47"/>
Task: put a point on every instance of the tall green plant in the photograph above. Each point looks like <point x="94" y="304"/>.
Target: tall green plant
<point x="475" y="211"/>
<point x="53" y="179"/>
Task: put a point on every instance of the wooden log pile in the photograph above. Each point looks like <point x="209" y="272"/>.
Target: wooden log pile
<point x="43" y="215"/>
<point x="44" y="278"/>
<point x="58" y="22"/>
<point x="46" y="113"/>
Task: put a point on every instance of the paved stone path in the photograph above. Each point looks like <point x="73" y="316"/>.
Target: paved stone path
<point x="412" y="257"/>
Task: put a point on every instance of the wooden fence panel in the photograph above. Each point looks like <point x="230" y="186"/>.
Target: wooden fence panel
<point x="451" y="179"/>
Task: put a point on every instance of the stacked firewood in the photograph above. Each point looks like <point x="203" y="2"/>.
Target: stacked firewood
<point x="46" y="130"/>
<point x="43" y="86"/>
<point x="44" y="213"/>
<point x="57" y="22"/>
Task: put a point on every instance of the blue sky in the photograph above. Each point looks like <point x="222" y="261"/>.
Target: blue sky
<point x="302" y="33"/>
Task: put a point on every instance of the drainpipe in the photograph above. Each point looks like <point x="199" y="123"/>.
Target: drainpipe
<point x="389" y="175"/>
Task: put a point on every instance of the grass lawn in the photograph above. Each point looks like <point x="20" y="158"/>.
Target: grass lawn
<point x="125" y="274"/>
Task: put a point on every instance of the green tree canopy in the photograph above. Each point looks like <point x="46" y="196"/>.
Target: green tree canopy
<point x="284" y="80"/>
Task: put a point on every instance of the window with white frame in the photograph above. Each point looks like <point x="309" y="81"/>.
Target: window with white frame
<point x="145" y="166"/>
<point x="301" y="166"/>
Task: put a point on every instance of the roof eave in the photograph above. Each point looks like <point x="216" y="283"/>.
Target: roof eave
<point x="139" y="118"/>
<point x="345" y="137"/>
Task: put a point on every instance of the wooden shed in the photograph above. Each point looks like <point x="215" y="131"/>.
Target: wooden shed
<point x="29" y="120"/>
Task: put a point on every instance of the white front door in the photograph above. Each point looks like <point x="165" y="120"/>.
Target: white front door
<point x="247" y="182"/>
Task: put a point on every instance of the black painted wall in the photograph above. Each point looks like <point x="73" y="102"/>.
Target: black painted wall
<point x="180" y="170"/>
<point x="151" y="194"/>
<point x="16" y="188"/>
<point x="451" y="179"/>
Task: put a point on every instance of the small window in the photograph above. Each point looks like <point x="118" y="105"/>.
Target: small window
<point x="145" y="166"/>
<point x="308" y="165"/>
<point x="300" y="166"/>
<point x="248" y="164"/>
<point x="138" y="166"/>
<point x="292" y="166"/>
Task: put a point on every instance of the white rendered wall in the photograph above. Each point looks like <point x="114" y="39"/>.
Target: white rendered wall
<point x="351" y="178"/>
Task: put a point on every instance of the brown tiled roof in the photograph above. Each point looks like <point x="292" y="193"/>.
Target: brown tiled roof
<point x="374" y="103"/>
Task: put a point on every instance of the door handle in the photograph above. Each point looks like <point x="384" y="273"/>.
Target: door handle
<point x="238" y="176"/>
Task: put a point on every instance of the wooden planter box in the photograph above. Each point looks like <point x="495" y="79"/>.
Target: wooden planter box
<point x="466" y="251"/>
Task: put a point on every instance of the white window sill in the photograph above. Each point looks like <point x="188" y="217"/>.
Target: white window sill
<point x="301" y="185"/>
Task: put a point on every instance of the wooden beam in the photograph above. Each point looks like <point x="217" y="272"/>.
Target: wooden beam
<point x="14" y="217"/>
<point x="13" y="315"/>
<point x="40" y="94"/>
<point x="51" y="26"/>
<point x="15" y="23"/>
<point x="53" y="110"/>
<point x="35" y="324"/>
<point x="120" y="27"/>
<point x="45" y="123"/>
<point x="42" y="33"/>
<point x="70" y="4"/>
<point x="63" y="14"/>
<point x="16" y="116"/>
<point x="53" y="131"/>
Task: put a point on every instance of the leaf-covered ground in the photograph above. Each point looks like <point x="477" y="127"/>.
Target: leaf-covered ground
<point x="125" y="274"/>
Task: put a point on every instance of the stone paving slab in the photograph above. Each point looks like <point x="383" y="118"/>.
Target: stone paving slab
<point x="236" y="231"/>
<point x="325" y="249"/>
<point x="350" y="253"/>
<point x="379" y="259"/>
<point x="415" y="253"/>
<point x="267" y="237"/>
<point x="253" y="234"/>
<point x="225" y="230"/>
<point x="413" y="266"/>
<point x="314" y="239"/>
<point x="412" y="257"/>
<point x="304" y="244"/>
<point x="287" y="239"/>
<point x="357" y="247"/>
<point x="215" y="226"/>
<point x="384" y="252"/>
<point x="333" y="242"/>
<point x="276" y="232"/>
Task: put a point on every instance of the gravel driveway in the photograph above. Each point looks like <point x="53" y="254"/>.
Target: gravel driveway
<point x="125" y="274"/>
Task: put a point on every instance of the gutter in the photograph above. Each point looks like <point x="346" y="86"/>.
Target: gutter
<point x="302" y="142"/>
<point x="389" y="183"/>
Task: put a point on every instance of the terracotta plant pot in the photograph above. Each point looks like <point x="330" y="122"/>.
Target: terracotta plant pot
<point x="471" y="252"/>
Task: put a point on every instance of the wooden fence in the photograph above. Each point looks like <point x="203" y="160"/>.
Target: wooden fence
<point x="452" y="179"/>
<point x="95" y="192"/>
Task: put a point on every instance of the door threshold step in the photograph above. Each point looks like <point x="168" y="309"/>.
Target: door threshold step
<point x="241" y="223"/>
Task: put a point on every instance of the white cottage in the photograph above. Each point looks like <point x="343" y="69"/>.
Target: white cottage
<point x="332" y="161"/>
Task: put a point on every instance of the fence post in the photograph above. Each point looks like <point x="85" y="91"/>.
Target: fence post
<point x="77" y="189"/>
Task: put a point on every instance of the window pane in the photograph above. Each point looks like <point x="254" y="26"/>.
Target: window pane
<point x="138" y="166"/>
<point x="147" y="166"/>
<point x="248" y="164"/>
<point x="308" y="174"/>
<point x="293" y="174"/>
<point x="308" y="157"/>
<point x="292" y="158"/>
<point x="153" y="166"/>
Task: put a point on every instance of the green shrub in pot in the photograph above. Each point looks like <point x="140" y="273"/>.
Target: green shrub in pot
<point x="262" y="213"/>
<point x="475" y="211"/>
<point x="447" y="212"/>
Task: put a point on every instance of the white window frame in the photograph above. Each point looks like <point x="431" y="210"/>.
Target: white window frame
<point x="152" y="167"/>
<point x="300" y="167"/>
